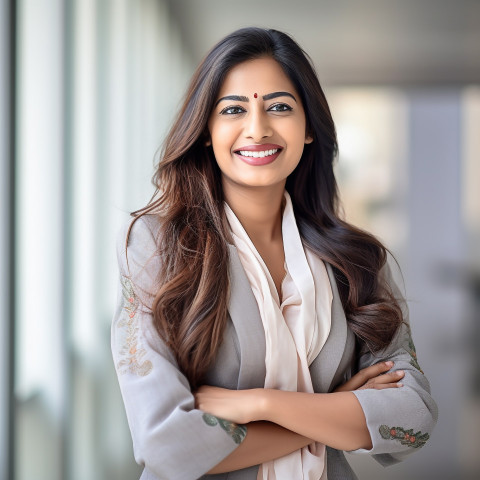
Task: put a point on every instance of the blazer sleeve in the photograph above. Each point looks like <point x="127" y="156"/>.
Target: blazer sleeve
<point x="171" y="438"/>
<point x="400" y="420"/>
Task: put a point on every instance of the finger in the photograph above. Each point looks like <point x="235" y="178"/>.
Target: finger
<point x="380" y="386"/>
<point x="389" y="377"/>
<point x="373" y="371"/>
<point x="364" y="375"/>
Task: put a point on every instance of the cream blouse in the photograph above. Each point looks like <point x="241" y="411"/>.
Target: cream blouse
<point x="295" y="328"/>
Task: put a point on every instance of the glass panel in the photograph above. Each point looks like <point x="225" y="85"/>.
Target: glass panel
<point x="40" y="361"/>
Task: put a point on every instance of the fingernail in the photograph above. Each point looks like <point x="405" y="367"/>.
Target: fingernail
<point x="400" y="372"/>
<point x="399" y="384"/>
<point x="389" y="363"/>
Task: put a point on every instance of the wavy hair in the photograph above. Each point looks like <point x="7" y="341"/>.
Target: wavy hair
<point x="190" y="310"/>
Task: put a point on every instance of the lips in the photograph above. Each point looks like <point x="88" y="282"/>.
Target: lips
<point x="259" y="154"/>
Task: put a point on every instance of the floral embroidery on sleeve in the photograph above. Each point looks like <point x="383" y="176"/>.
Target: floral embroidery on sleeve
<point x="131" y="351"/>
<point x="413" y="353"/>
<point x="237" y="432"/>
<point x="406" y="437"/>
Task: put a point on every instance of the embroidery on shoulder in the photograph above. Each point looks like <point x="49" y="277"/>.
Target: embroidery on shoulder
<point x="406" y="437"/>
<point x="410" y="348"/>
<point x="237" y="432"/>
<point x="131" y="351"/>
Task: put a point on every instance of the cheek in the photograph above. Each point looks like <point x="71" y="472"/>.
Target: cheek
<point x="221" y="134"/>
<point x="295" y="129"/>
<point x="296" y="136"/>
<point x="221" y="146"/>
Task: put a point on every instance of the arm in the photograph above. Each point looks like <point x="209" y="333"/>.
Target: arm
<point x="399" y="421"/>
<point x="170" y="436"/>
<point x="335" y="419"/>
<point x="265" y="441"/>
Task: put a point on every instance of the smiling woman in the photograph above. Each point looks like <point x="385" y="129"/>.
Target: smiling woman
<point x="240" y="126"/>
<point x="257" y="334"/>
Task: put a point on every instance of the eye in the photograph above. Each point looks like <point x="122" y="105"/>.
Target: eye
<point x="280" y="107"/>
<point x="232" y="110"/>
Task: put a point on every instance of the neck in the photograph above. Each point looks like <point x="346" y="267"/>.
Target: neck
<point x="259" y="210"/>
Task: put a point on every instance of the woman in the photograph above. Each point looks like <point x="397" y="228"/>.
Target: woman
<point x="256" y="332"/>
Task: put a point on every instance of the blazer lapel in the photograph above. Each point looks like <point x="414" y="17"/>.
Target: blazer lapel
<point x="246" y="319"/>
<point x="324" y="367"/>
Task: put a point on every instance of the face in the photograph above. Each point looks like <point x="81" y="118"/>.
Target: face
<point x="257" y="127"/>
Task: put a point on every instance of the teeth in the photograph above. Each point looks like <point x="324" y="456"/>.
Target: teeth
<point x="265" y="153"/>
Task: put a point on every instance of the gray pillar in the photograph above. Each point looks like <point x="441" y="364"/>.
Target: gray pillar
<point x="435" y="255"/>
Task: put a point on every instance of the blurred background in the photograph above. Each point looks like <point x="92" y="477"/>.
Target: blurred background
<point x="87" y="92"/>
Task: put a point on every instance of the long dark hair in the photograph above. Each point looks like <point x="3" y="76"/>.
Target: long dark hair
<point x="190" y="310"/>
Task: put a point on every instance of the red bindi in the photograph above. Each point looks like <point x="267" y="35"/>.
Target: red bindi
<point x="255" y="95"/>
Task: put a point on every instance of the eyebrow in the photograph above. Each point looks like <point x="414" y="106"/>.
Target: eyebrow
<point x="268" y="96"/>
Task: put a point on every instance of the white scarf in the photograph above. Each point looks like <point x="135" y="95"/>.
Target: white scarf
<point x="295" y="331"/>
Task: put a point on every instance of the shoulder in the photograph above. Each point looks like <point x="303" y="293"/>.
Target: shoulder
<point x="139" y="236"/>
<point x="138" y="242"/>
<point x="144" y="230"/>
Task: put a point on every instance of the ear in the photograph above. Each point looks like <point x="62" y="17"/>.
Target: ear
<point x="308" y="138"/>
<point x="207" y="137"/>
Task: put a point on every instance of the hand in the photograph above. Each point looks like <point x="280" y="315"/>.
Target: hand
<point x="239" y="406"/>
<point x="373" y="377"/>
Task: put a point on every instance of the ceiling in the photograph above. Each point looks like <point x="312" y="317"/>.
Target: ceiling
<point x="379" y="42"/>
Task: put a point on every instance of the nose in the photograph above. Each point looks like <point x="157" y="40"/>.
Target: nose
<point x="257" y="126"/>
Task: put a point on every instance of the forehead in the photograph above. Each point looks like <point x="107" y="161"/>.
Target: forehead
<point x="262" y="75"/>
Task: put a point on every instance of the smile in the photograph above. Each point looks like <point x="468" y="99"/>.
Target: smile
<point x="261" y="154"/>
<point x="256" y="157"/>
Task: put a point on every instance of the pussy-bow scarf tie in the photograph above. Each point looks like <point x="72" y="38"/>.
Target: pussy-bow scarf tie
<point x="295" y="329"/>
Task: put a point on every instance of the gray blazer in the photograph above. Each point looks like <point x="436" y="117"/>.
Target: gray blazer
<point x="175" y="441"/>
